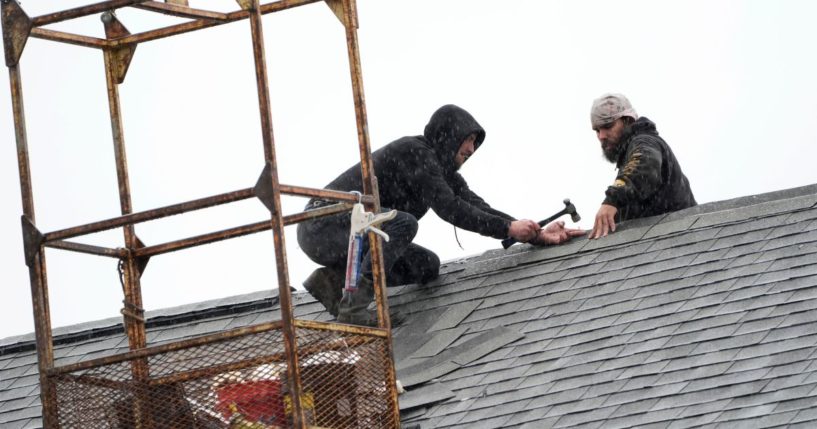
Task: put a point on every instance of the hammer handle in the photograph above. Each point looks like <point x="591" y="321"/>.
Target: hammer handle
<point x="508" y="242"/>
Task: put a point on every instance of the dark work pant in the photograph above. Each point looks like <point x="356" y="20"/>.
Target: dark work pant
<point x="326" y="241"/>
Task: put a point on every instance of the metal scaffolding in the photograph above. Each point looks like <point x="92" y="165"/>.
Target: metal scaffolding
<point x="309" y="362"/>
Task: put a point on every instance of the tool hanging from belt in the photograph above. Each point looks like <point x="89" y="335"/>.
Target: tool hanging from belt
<point x="362" y="223"/>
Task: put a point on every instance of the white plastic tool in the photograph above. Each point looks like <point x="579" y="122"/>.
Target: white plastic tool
<point x="362" y="223"/>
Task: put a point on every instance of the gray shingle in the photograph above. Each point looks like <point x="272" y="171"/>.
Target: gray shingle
<point x="741" y="415"/>
<point x="794" y="284"/>
<point x="793" y="227"/>
<point x="485" y="343"/>
<point x="790" y="240"/>
<point x="737" y="240"/>
<point x="452" y="316"/>
<point x="770" y="346"/>
<point x="697" y="421"/>
<point x="728" y="379"/>
<point x="530" y="415"/>
<point x="549" y="302"/>
<point x="18" y="393"/>
<point x="652" y="392"/>
<point x="24" y="415"/>
<point x="635" y="260"/>
<point x="34" y="424"/>
<point x="671" y="227"/>
<point x="692" y="237"/>
<point x="769" y="397"/>
<point x="660" y="278"/>
<point x="601" y="310"/>
<point x="553" y="252"/>
<point x="693" y="360"/>
<point x="690" y="249"/>
<point x="640" y="420"/>
<point x="578" y="418"/>
<point x="438" y="342"/>
<point x="803" y="215"/>
<point x="762" y="223"/>
<point x="798" y="318"/>
<point x="806" y="418"/>
<point x="784" y="333"/>
<point x="709" y="322"/>
<point x="577" y="261"/>
<point x="557" y="398"/>
<point x="18" y="424"/>
<point x="796" y="404"/>
<point x="546" y="271"/>
<point x="697" y="336"/>
<point x="485" y="423"/>
<point x="653" y="318"/>
<point x="758" y="301"/>
<point x="717" y="393"/>
<point x="777" y="419"/>
<point x="19" y="403"/>
<point x="625" y="251"/>
<point x="709" y="256"/>
<point x="780" y="383"/>
<point x="420" y="374"/>
<point x="423" y="396"/>
<point x="795" y="250"/>
<point x="693" y="373"/>
<point x="545" y="422"/>
<point x="636" y="407"/>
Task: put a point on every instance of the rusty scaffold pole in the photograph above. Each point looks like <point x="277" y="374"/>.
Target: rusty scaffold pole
<point x="116" y="62"/>
<point x="16" y="29"/>
<point x="347" y="11"/>
<point x="276" y="220"/>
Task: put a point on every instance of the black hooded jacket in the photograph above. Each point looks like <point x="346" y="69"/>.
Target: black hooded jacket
<point x="649" y="181"/>
<point x="418" y="173"/>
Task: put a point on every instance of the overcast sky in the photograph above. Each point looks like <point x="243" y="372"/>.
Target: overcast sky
<point x="730" y="85"/>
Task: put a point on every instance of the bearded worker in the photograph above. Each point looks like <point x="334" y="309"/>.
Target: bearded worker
<point x="649" y="180"/>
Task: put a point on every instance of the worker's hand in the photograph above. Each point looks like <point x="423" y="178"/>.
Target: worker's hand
<point x="523" y="230"/>
<point x="556" y="233"/>
<point x="605" y="221"/>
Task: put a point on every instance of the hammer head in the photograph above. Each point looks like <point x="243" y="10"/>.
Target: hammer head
<point x="571" y="210"/>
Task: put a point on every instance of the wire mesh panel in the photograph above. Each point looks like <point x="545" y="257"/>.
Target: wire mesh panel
<point x="345" y="380"/>
<point x="238" y="383"/>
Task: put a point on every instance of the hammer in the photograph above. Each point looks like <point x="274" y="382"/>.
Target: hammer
<point x="569" y="209"/>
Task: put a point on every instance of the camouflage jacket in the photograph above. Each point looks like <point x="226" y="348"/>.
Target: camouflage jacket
<point x="649" y="181"/>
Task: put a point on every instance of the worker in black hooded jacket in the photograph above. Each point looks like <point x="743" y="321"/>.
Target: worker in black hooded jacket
<point x="414" y="174"/>
<point x="649" y="181"/>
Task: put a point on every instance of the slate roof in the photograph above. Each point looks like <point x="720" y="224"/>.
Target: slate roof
<point x="701" y="318"/>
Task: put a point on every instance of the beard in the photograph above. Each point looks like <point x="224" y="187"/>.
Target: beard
<point x="612" y="149"/>
<point x="611" y="152"/>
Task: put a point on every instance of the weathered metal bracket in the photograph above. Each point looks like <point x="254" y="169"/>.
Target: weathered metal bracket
<point x="263" y="188"/>
<point x="245" y="4"/>
<point x="337" y="9"/>
<point x="32" y="240"/>
<point x="141" y="261"/>
<point x="16" y="29"/>
<point x="120" y="57"/>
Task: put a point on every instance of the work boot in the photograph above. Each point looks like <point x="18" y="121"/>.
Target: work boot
<point x="353" y="308"/>
<point x="326" y="285"/>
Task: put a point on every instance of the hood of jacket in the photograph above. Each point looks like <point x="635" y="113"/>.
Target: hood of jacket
<point x="640" y="126"/>
<point x="447" y="129"/>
